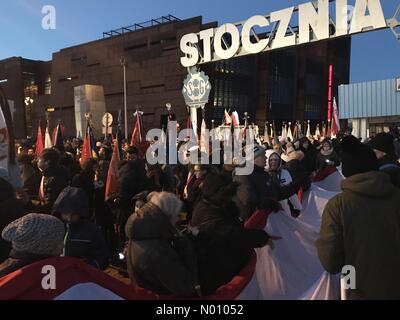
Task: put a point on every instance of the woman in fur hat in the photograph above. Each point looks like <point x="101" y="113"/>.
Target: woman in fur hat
<point x="327" y="156"/>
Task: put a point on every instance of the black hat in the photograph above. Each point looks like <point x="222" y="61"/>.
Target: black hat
<point x="357" y="157"/>
<point x="383" y="142"/>
<point x="132" y="150"/>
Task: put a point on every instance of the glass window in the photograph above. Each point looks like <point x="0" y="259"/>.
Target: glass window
<point x="47" y="85"/>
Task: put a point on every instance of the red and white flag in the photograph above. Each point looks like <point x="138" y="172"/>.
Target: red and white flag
<point x="72" y="279"/>
<point x="48" y="143"/>
<point x="4" y="141"/>
<point x="204" y="139"/>
<point x="227" y="118"/>
<point x="39" y="142"/>
<point x="112" y="175"/>
<point x="235" y="119"/>
<point x="335" y="120"/>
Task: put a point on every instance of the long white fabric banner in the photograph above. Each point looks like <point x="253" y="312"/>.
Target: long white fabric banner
<point x="291" y="269"/>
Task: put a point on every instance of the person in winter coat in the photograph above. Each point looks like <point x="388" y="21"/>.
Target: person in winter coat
<point x="132" y="180"/>
<point x="157" y="258"/>
<point x="85" y="181"/>
<point x="310" y="154"/>
<point x="293" y="164"/>
<point x="68" y="162"/>
<point x="10" y="209"/>
<point x="83" y="239"/>
<point x="54" y="180"/>
<point x="282" y="177"/>
<point x="33" y="237"/>
<point x="30" y="175"/>
<point x="327" y="156"/>
<point x="361" y="226"/>
<point x="222" y="243"/>
<point x="256" y="191"/>
<point x="383" y="146"/>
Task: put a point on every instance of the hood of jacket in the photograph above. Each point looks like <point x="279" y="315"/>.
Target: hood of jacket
<point x="149" y="223"/>
<point x="218" y="189"/>
<point x="371" y="184"/>
<point x="72" y="200"/>
<point x="268" y="154"/>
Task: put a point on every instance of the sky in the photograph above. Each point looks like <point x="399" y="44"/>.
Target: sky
<point x="375" y="55"/>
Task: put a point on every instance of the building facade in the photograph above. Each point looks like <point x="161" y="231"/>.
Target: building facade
<point x="284" y="85"/>
<point x="371" y="107"/>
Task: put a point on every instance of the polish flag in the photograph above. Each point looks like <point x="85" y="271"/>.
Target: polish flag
<point x="227" y="118"/>
<point x="235" y="119"/>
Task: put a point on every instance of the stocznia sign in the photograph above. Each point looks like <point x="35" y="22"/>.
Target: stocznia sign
<point x="212" y="44"/>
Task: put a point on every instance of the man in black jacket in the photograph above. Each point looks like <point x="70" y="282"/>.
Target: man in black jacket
<point x="54" y="180"/>
<point x="132" y="180"/>
<point x="83" y="239"/>
<point x="223" y="245"/>
<point x="256" y="191"/>
<point x="383" y="146"/>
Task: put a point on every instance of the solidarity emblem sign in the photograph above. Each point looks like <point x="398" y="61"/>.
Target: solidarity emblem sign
<point x="196" y="89"/>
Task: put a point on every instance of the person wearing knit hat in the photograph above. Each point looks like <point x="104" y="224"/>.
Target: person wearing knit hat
<point x="292" y="154"/>
<point x="158" y="258"/>
<point x="383" y="146"/>
<point x="33" y="237"/>
<point x="357" y="157"/>
<point x="83" y="240"/>
<point x="360" y="226"/>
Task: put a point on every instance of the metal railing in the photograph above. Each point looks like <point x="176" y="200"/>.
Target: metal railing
<point x="140" y="26"/>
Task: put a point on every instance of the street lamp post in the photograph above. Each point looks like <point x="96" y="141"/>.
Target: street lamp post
<point x="123" y="64"/>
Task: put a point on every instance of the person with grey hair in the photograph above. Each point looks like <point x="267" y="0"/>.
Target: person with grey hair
<point x="158" y="258"/>
<point x="34" y="237"/>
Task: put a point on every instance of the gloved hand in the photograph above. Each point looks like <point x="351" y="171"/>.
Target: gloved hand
<point x="275" y="206"/>
<point x="295" y="213"/>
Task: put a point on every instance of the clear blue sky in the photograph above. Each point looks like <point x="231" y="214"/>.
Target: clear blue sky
<point x="375" y="55"/>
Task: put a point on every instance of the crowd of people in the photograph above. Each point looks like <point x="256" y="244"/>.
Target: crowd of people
<point x="179" y="229"/>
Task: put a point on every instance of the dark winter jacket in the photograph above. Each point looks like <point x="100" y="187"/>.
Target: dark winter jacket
<point x="30" y="175"/>
<point x="157" y="259"/>
<point x="84" y="181"/>
<point x="11" y="209"/>
<point x="67" y="160"/>
<point x="361" y="228"/>
<point x="55" y="180"/>
<point x="299" y="174"/>
<point x="310" y="155"/>
<point x="132" y="180"/>
<point x="18" y="260"/>
<point x="83" y="239"/>
<point x="256" y="191"/>
<point x="322" y="160"/>
<point x="223" y="245"/>
<point x="390" y="166"/>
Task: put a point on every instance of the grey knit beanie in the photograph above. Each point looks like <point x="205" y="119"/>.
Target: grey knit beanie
<point x="35" y="233"/>
<point x="169" y="204"/>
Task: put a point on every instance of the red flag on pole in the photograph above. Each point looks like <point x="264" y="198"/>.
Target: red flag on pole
<point x="39" y="142"/>
<point x="112" y="175"/>
<point x="137" y="131"/>
<point x="138" y="138"/>
<point x="323" y="130"/>
<point x="335" y="120"/>
<point x="86" y="148"/>
<point x="329" y="130"/>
